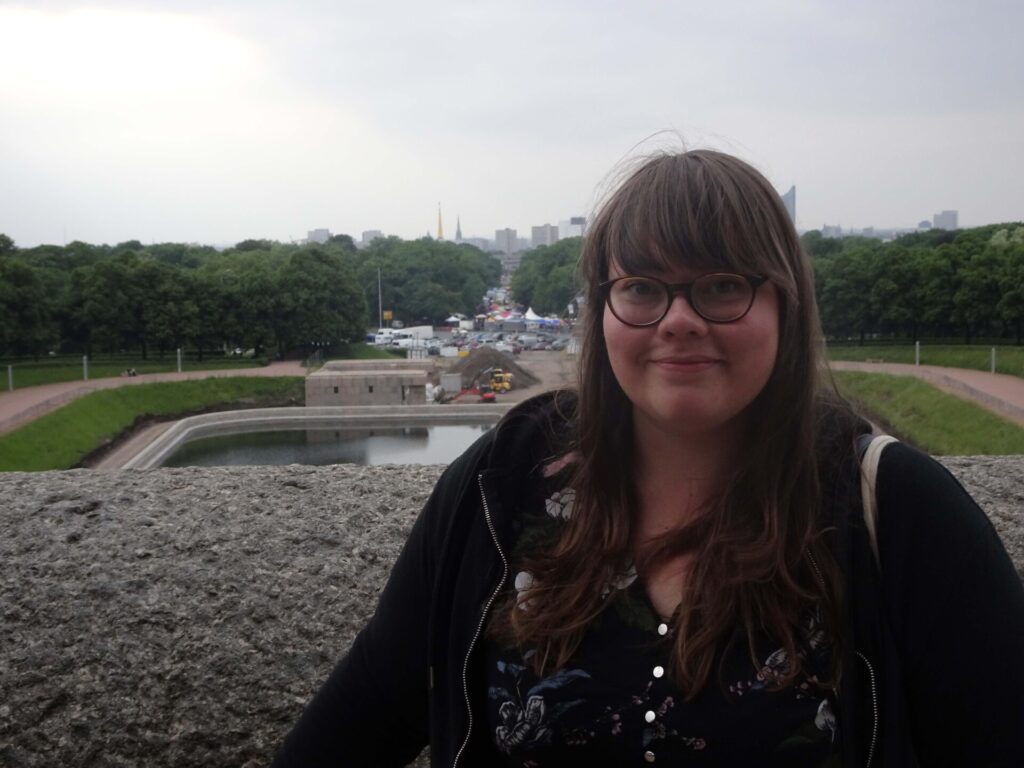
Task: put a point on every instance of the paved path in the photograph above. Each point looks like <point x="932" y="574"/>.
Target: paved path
<point x="23" y="405"/>
<point x="998" y="392"/>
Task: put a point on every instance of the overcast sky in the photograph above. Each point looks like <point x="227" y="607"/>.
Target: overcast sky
<point x="213" y="122"/>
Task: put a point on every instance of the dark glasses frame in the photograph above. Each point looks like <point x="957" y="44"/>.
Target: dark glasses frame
<point x="671" y="289"/>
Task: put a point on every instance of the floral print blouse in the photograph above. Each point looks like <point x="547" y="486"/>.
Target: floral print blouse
<point x="615" y="705"/>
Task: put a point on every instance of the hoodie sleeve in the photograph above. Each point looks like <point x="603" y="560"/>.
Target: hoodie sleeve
<point x="955" y="604"/>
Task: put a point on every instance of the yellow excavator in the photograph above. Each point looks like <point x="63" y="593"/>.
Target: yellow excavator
<point x="486" y="385"/>
<point x="501" y="380"/>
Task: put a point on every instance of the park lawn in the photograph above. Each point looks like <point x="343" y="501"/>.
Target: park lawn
<point x="46" y="371"/>
<point x="978" y="357"/>
<point x="941" y="424"/>
<point x="61" y="439"/>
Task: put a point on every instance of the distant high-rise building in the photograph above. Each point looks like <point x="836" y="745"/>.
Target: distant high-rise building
<point x="789" y="200"/>
<point x="440" y="226"/>
<point x="572" y="227"/>
<point x="370" y="235"/>
<point x="545" y="234"/>
<point x="320" y="236"/>
<point x="945" y="220"/>
<point x="505" y="241"/>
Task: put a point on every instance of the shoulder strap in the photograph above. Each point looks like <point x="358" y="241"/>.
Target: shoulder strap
<point x="870" y="456"/>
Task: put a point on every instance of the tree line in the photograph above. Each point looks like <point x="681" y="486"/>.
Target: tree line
<point x="937" y="284"/>
<point x="269" y="296"/>
<point x="260" y="294"/>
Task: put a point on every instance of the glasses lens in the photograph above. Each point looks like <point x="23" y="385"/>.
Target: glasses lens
<point x="638" y="300"/>
<point x="722" y="297"/>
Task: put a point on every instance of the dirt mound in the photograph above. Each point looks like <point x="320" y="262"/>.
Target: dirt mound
<point x="482" y="358"/>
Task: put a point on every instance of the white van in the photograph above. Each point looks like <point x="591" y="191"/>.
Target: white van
<point x="402" y="339"/>
<point x="383" y="337"/>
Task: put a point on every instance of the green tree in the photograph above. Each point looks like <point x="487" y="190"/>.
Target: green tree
<point x="1011" y="283"/>
<point x="977" y="298"/>
<point x="7" y="246"/>
<point x="425" y="279"/>
<point x="98" y="305"/>
<point x="28" y="327"/>
<point x="817" y="245"/>
<point x="546" y="279"/>
<point x="319" y="301"/>
<point x="845" y="291"/>
<point x="170" y="310"/>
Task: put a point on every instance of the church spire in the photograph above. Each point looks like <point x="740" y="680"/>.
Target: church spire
<point x="458" y="230"/>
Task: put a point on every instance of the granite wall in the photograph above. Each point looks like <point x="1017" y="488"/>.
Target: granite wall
<point x="183" y="617"/>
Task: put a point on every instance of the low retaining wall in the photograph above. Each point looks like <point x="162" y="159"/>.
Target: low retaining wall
<point x="309" y="417"/>
<point x="183" y="617"/>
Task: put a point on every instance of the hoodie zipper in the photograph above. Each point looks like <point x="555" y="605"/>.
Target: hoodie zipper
<point x="874" y="707"/>
<point x="483" y="618"/>
<point x="871" y="677"/>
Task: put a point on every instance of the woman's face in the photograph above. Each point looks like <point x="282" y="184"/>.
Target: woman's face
<point x="687" y="375"/>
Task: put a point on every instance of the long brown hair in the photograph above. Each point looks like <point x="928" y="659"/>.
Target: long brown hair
<point x="750" y="566"/>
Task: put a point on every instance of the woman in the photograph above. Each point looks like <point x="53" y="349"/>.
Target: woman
<point x="669" y="566"/>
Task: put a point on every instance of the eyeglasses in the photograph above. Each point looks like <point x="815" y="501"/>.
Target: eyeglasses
<point x="720" y="297"/>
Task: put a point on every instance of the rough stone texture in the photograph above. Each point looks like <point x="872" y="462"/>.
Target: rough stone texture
<point x="183" y="617"/>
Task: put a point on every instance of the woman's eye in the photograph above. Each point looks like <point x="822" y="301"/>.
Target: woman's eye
<point x="640" y="288"/>
<point x="726" y="286"/>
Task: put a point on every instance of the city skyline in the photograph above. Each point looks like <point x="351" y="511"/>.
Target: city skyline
<point x="162" y="121"/>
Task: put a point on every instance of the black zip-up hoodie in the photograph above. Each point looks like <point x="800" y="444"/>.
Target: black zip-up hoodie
<point x="936" y="668"/>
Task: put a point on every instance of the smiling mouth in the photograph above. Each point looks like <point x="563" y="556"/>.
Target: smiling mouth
<point x="684" y="362"/>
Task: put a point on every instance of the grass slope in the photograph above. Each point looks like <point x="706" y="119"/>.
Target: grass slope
<point x="60" y="440"/>
<point x="938" y="423"/>
<point x="976" y="357"/>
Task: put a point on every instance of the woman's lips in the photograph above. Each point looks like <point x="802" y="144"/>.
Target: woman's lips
<point x="689" y="365"/>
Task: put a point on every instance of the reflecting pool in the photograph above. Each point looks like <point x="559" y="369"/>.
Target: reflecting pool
<point x="438" y="444"/>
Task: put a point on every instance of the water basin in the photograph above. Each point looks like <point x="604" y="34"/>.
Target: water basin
<point x="434" y="444"/>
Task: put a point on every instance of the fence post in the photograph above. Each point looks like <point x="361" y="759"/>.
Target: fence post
<point x="85" y="367"/>
<point x="179" y="359"/>
<point x="10" y="378"/>
<point x="917" y="353"/>
<point x="993" y="359"/>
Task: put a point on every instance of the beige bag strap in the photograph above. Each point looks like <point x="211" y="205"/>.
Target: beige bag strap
<point x="868" y="482"/>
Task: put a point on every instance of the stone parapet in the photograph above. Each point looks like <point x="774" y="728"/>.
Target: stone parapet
<point x="183" y="617"/>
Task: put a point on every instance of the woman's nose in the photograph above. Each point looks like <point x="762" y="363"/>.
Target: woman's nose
<point x="682" y="319"/>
